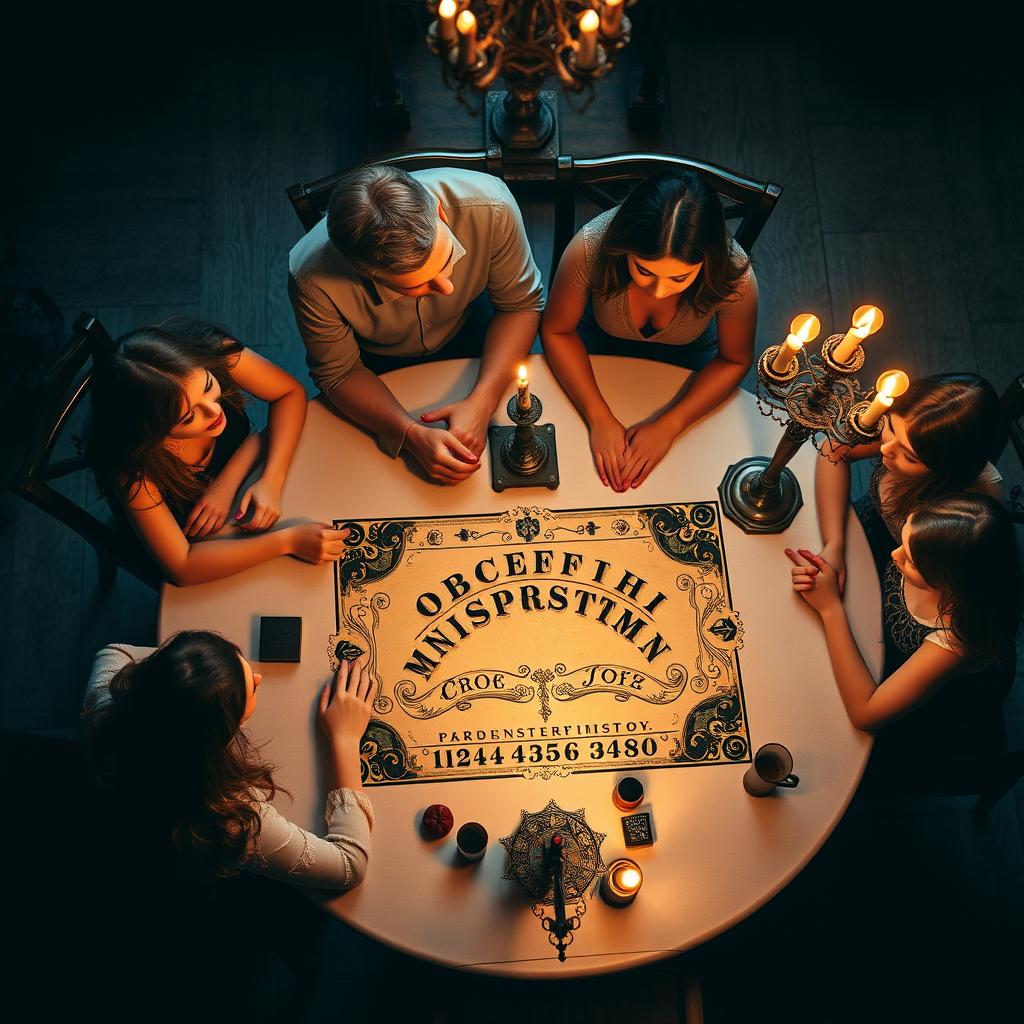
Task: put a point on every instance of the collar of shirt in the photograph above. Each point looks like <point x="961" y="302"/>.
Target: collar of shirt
<point x="386" y="294"/>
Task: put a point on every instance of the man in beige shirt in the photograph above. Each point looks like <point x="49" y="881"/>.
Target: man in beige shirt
<point x="400" y="268"/>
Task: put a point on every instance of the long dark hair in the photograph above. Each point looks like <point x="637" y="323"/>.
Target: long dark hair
<point x="678" y="214"/>
<point x="953" y="425"/>
<point x="137" y="395"/>
<point x="965" y="547"/>
<point x="168" y="749"/>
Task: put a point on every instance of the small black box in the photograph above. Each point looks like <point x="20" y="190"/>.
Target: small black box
<point x="280" y="637"/>
<point x="637" y="830"/>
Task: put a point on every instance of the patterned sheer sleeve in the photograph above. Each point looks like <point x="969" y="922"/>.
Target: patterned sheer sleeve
<point x="291" y="854"/>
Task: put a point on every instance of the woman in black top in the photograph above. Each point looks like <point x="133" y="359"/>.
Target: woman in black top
<point x="170" y="439"/>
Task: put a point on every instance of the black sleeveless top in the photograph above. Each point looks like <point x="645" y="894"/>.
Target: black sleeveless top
<point x="236" y="429"/>
<point x="964" y="717"/>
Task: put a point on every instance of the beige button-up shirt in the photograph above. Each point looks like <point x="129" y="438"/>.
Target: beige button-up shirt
<point x="338" y="312"/>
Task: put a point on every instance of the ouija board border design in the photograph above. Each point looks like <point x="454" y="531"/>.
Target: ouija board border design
<point x="732" y="700"/>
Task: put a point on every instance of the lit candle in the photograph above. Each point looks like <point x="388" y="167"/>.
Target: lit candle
<point x="466" y="24"/>
<point x="446" y="10"/>
<point x="889" y="386"/>
<point x="804" y="328"/>
<point x="866" y="320"/>
<point x="586" y="48"/>
<point x="621" y="882"/>
<point x="524" y="390"/>
<point x="611" y="18"/>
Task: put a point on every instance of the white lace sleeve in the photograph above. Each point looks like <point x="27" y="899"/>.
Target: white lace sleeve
<point x="291" y="854"/>
<point x="107" y="663"/>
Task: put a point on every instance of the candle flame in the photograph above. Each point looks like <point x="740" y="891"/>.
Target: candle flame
<point x="447" y="9"/>
<point x="612" y="3"/>
<point x="629" y="878"/>
<point x="522" y="374"/>
<point x="892" y="383"/>
<point x="867" y="320"/>
<point x="466" y="22"/>
<point x="805" y="327"/>
<point x="589" y="21"/>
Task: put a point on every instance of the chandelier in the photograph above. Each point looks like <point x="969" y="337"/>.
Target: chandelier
<point x="526" y="40"/>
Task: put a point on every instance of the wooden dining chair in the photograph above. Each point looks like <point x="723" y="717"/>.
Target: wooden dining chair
<point x="67" y="379"/>
<point x="310" y="200"/>
<point x="605" y="180"/>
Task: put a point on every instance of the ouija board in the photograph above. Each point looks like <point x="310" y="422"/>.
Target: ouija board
<point x="539" y="643"/>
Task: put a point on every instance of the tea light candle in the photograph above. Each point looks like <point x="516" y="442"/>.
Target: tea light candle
<point x="866" y="320"/>
<point x="804" y="328"/>
<point x="621" y="882"/>
<point x="524" y="390"/>
<point x="466" y="24"/>
<point x="890" y="385"/>
<point x="611" y="18"/>
<point x="586" y="48"/>
<point x="446" y="11"/>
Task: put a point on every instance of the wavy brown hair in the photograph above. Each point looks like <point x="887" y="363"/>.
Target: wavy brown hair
<point x="965" y="547"/>
<point x="678" y="214"/>
<point x="137" y="396"/>
<point x="954" y="426"/>
<point x="169" y="750"/>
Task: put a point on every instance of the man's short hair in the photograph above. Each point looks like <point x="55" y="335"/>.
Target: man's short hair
<point x="380" y="218"/>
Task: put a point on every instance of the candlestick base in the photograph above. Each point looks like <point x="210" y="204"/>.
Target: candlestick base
<point x="753" y="506"/>
<point x="539" y="468"/>
<point x="524" y="455"/>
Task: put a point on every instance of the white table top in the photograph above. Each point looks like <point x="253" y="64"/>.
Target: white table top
<point x="719" y="854"/>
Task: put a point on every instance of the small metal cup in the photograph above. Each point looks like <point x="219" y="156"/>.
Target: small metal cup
<point x="471" y="841"/>
<point x="773" y="766"/>
<point x="628" y="793"/>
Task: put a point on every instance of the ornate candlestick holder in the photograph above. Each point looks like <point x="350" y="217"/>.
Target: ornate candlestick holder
<point x="554" y="857"/>
<point x="815" y="396"/>
<point x="523" y="456"/>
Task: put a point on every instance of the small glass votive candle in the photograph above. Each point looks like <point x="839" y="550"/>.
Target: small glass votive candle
<point x="621" y="882"/>
<point x="628" y="793"/>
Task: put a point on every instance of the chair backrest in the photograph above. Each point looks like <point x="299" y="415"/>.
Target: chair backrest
<point x="604" y="181"/>
<point x="68" y="379"/>
<point x="310" y="200"/>
<point x="1011" y="406"/>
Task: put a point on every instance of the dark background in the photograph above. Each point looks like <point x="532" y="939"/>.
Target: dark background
<point x="146" y="156"/>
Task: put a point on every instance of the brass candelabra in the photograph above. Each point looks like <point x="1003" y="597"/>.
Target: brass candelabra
<point x="526" y="40"/>
<point x="816" y="398"/>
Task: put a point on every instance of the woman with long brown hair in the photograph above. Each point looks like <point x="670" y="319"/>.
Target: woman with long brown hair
<point x="936" y="440"/>
<point x="657" y="277"/>
<point x="953" y="599"/>
<point x="165" y="732"/>
<point x="171" y="443"/>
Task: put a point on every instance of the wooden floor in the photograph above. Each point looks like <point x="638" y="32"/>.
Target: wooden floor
<point x="152" y="181"/>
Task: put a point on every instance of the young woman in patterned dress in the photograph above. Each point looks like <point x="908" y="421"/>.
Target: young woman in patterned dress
<point x="953" y="602"/>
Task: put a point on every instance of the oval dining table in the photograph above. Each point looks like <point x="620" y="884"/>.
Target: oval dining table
<point x="719" y="854"/>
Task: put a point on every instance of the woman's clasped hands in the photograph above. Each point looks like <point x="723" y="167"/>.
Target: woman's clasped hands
<point x="815" y="580"/>
<point x="625" y="458"/>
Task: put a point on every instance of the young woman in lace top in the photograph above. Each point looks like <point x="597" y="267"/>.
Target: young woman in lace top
<point x="170" y="441"/>
<point x="953" y="604"/>
<point x="936" y="440"/>
<point x="164" y="731"/>
<point x="657" y="277"/>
